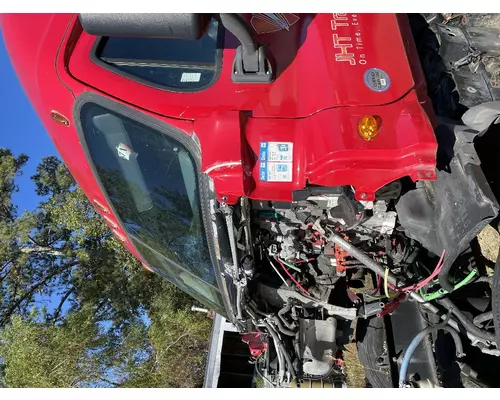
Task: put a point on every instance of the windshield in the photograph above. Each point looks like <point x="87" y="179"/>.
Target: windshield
<point x="151" y="181"/>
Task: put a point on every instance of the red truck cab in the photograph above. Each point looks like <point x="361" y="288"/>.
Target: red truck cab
<point x="265" y="163"/>
<point x="331" y="71"/>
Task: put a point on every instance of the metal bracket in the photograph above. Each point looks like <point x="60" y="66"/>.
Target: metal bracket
<point x="252" y="67"/>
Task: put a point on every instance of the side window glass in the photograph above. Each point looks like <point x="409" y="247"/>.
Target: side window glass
<point x="172" y="64"/>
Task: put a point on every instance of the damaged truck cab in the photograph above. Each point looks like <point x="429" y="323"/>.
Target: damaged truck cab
<point x="271" y="164"/>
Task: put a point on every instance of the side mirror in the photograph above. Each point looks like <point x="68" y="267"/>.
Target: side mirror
<point x="168" y="25"/>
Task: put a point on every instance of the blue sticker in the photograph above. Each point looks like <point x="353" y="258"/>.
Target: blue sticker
<point x="263" y="171"/>
<point x="276" y="162"/>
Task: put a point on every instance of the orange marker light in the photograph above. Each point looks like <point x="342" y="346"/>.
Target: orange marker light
<point x="369" y="127"/>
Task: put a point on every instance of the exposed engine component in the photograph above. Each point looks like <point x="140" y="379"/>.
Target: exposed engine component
<point x="300" y="283"/>
<point x="317" y="340"/>
<point x="300" y="262"/>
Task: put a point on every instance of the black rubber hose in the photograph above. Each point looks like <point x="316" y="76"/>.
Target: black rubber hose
<point x="278" y="346"/>
<point x="281" y="314"/>
<point x="495" y="298"/>
<point x="482" y="318"/>
<point x="444" y="274"/>
<point x="282" y="353"/>
<point x="289" y="363"/>
<point x="282" y="328"/>
<point x="466" y="323"/>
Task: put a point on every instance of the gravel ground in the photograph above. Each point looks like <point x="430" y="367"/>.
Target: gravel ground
<point x="489" y="241"/>
<point x="354" y="371"/>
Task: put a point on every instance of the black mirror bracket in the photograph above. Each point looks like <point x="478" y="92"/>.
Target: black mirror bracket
<point x="251" y="64"/>
<point x="252" y="67"/>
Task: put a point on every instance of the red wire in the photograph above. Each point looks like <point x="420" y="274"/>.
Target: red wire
<point x="421" y="284"/>
<point x="379" y="285"/>
<point x="304" y="261"/>
<point x="292" y="278"/>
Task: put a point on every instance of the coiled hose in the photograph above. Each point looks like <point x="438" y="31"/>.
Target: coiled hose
<point x="418" y="339"/>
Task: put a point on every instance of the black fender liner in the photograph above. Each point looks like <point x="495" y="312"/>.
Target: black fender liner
<point x="448" y="214"/>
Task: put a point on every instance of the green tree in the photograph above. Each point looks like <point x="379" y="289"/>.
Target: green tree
<point x="179" y="344"/>
<point x="96" y="334"/>
<point x="41" y="355"/>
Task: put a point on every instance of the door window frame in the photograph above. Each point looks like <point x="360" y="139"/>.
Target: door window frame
<point x="206" y="193"/>
<point x="101" y="40"/>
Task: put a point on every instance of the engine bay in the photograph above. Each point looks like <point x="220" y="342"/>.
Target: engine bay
<point x="352" y="240"/>
<point x="310" y="274"/>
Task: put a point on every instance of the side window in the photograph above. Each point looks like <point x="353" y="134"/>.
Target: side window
<point x="172" y="64"/>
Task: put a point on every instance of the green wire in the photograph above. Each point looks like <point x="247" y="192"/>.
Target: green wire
<point x="290" y="265"/>
<point x="441" y="292"/>
<point x="466" y="280"/>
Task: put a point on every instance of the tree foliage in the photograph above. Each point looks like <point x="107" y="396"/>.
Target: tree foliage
<point x="106" y="322"/>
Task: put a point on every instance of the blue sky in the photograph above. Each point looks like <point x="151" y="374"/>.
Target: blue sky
<point x="21" y="130"/>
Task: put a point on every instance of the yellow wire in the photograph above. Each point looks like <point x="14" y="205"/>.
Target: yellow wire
<point x="386" y="282"/>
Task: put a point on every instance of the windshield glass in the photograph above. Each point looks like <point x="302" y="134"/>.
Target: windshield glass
<point x="151" y="181"/>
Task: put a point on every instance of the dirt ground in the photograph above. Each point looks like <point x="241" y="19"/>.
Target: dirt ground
<point x="489" y="241"/>
<point x="354" y="370"/>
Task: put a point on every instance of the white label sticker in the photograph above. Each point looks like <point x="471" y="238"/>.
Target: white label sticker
<point x="126" y="152"/>
<point x="279" y="172"/>
<point x="276" y="161"/>
<point x="280" y="152"/>
<point x="191" y="77"/>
